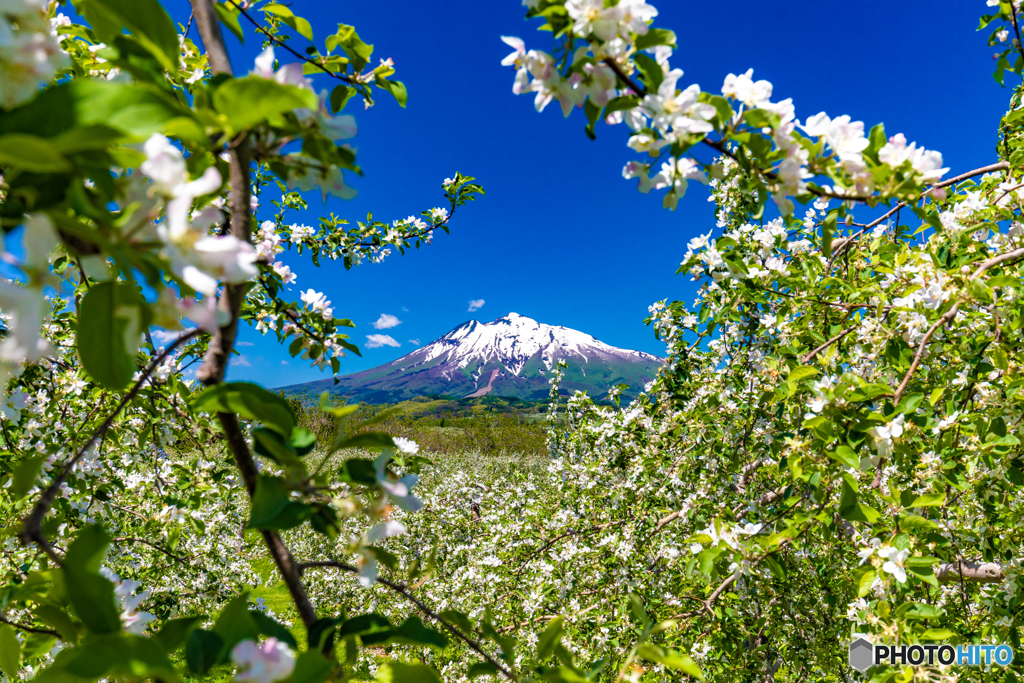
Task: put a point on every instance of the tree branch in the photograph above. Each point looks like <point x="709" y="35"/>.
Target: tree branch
<point x="401" y="590"/>
<point x="277" y="41"/>
<point x="841" y="244"/>
<point x="32" y="530"/>
<point x="128" y="539"/>
<point x="222" y="343"/>
<point x="827" y="344"/>
<point x="1015" y="255"/>
<point x="30" y="629"/>
<point x="975" y="572"/>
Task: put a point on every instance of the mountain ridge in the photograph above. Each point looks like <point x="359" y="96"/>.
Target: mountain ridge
<point x="511" y="356"/>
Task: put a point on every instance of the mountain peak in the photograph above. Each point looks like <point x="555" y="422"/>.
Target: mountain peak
<point x="510" y="356"/>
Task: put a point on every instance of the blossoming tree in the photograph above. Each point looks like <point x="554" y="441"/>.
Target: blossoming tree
<point x="134" y="164"/>
<point x="832" y="447"/>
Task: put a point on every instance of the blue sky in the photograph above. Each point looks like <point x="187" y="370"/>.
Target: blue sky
<point x="560" y="236"/>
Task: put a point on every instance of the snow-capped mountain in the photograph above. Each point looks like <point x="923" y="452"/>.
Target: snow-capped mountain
<point x="511" y="356"/>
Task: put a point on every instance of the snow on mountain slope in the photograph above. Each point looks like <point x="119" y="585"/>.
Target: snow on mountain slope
<point x="511" y="356"/>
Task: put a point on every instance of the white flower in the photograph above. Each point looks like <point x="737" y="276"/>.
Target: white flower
<point x="591" y="16"/>
<point x="397" y="490"/>
<point x="894" y="562"/>
<point x="743" y="88"/>
<point x="406" y="445"/>
<point x="865" y="553"/>
<point x="289" y="74"/>
<point x="132" y="619"/>
<point x="382" y="530"/>
<point x="926" y="162"/>
<point x="263" y="663"/>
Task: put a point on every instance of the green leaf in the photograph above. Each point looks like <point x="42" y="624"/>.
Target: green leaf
<point x="621" y="103"/>
<point x="91" y="595"/>
<point x="852" y="510"/>
<point x="270" y="444"/>
<point x="175" y="632"/>
<point x="358" y="471"/>
<point x="396" y="88"/>
<point x="864" y="584"/>
<point x="10" y="652"/>
<point x="112" y="317"/>
<point x="651" y="70"/>
<point x="251" y="100"/>
<point x="723" y="109"/>
<point x="347" y="38"/>
<point x="367" y="440"/>
<point x="25" y="476"/>
<point x="234" y="624"/>
<point x="671" y="659"/>
<point x="273" y="508"/>
<point x="551" y="636"/>
<point x="289" y="18"/>
<point x="481" y="669"/>
<point x="119" y="656"/>
<point x="203" y="650"/>
<point x="31" y="153"/>
<point x="801" y="372"/>
<point x="760" y="118"/>
<point x="929" y="499"/>
<point x="877" y="140"/>
<point x="914" y="522"/>
<point x="339" y="96"/>
<point x="250" y="401"/>
<point x="145" y="19"/>
<point x="310" y="667"/>
<point x="655" y="37"/>
<point x="370" y="628"/>
<point x="846" y="456"/>
<point x="73" y="107"/>
<point x="268" y="626"/>
<point x="413" y="632"/>
<point x="397" y="672"/>
<point x="828" y="231"/>
<point x="937" y="634"/>
<point x="228" y="15"/>
<point x="458" y="619"/>
<point x="60" y="620"/>
<point x="302" y="440"/>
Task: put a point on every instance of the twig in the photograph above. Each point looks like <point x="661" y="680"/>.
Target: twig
<point x="277" y="41"/>
<point x="1016" y="29"/>
<point x="30" y="629"/>
<point x="1001" y="166"/>
<point x="169" y="554"/>
<point x="401" y="590"/>
<point x="32" y="531"/>
<point x="1016" y="254"/>
<point x="824" y="346"/>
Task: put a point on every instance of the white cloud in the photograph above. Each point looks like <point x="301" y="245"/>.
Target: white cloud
<point x="414" y="341"/>
<point x="403" y="309"/>
<point x="386" y="321"/>
<point x="476" y="304"/>
<point x="241" y="362"/>
<point x="243" y="343"/>
<point x="374" y="341"/>
<point x="164" y="337"/>
<point x="284" y="362"/>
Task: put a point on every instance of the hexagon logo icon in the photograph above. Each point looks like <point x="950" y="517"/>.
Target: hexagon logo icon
<point x="862" y="654"/>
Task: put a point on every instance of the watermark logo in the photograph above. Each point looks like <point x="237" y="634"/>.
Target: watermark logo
<point x="864" y="654"/>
